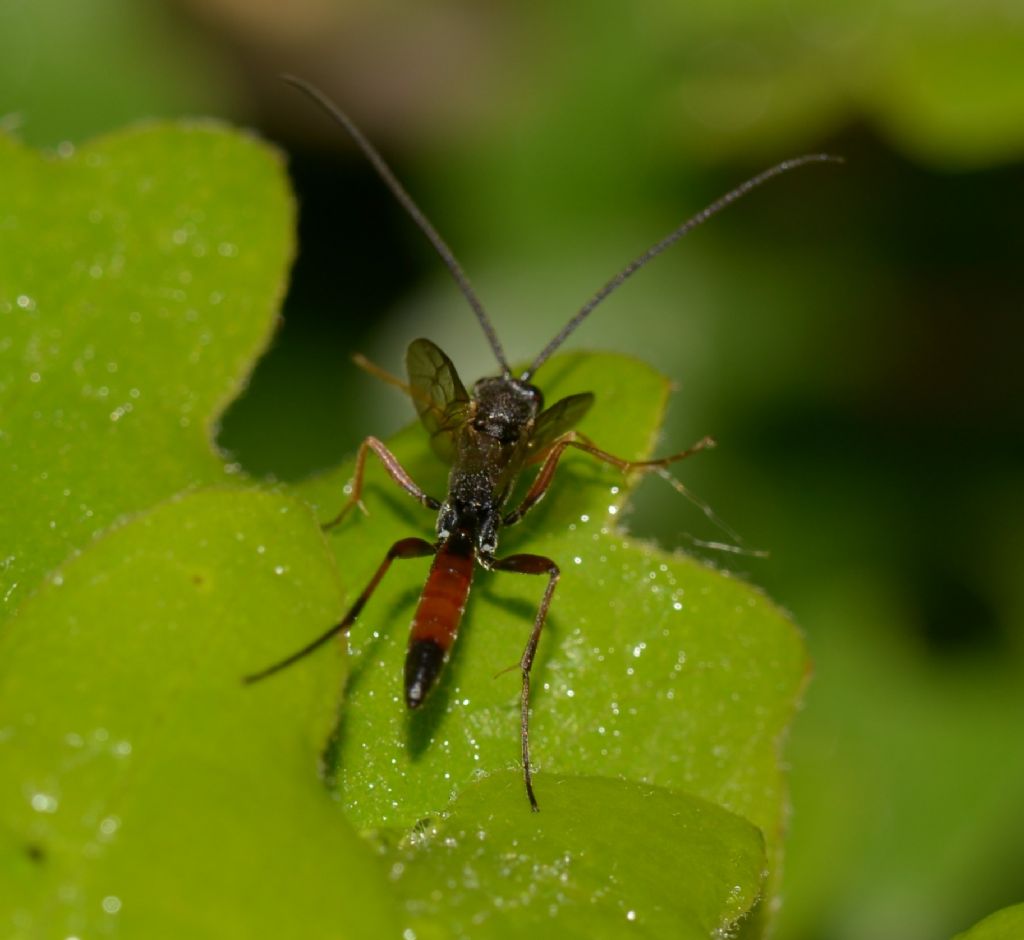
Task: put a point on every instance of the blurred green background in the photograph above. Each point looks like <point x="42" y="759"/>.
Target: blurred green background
<point x="851" y="335"/>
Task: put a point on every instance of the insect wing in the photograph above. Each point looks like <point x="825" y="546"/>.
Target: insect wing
<point x="552" y="423"/>
<point x="441" y="399"/>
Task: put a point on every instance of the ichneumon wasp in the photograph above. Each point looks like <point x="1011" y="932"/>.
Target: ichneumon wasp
<point x="488" y="436"/>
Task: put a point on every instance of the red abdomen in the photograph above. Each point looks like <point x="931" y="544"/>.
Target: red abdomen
<point x="438" y="615"/>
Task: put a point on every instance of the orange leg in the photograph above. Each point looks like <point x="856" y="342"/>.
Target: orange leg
<point x="395" y="470"/>
<point x="574" y="439"/>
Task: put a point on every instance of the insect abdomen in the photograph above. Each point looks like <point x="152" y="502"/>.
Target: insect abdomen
<point x="438" y="614"/>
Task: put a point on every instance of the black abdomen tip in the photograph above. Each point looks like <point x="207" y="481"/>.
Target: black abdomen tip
<point x="423" y="664"/>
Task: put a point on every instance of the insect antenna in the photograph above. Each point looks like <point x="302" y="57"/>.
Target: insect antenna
<point x="399" y="192"/>
<point x="688" y="226"/>
<point x="736" y="547"/>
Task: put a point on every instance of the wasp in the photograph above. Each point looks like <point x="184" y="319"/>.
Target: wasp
<point x="488" y="436"/>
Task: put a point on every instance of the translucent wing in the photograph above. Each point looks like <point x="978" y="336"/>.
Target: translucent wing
<point x="437" y="391"/>
<point x="562" y="416"/>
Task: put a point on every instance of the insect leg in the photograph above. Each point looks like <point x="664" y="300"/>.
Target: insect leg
<point x="403" y="548"/>
<point x="529" y="564"/>
<point x="395" y="470"/>
<point x="574" y="439"/>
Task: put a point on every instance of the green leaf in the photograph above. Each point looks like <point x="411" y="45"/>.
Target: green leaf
<point x="139" y="278"/>
<point x="493" y="869"/>
<point x="653" y="667"/>
<point x="1007" y="924"/>
<point x="143" y="788"/>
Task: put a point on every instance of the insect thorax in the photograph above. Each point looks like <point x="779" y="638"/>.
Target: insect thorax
<point x="490" y="450"/>
<point x="504" y="408"/>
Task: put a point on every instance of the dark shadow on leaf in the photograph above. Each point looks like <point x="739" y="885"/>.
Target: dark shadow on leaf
<point x="391" y="620"/>
<point x="527" y="613"/>
<point x="422" y="725"/>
